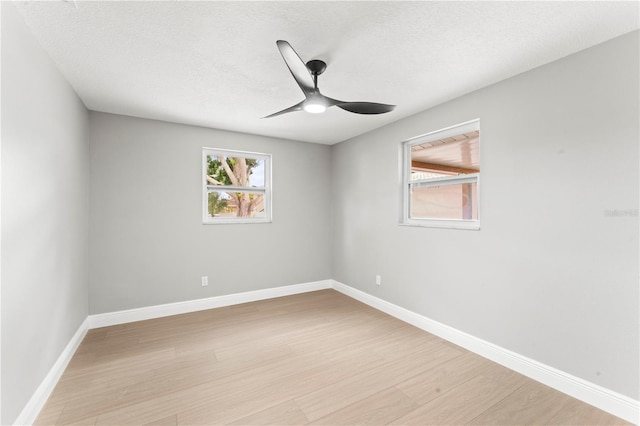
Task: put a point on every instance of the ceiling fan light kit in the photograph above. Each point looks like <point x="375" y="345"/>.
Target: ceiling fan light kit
<point x="315" y="104"/>
<point x="306" y="75"/>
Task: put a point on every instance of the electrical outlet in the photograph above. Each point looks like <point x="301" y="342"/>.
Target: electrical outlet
<point x="205" y="281"/>
<point x="378" y="280"/>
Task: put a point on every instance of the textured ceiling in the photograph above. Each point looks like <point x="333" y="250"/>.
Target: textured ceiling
<point x="216" y="64"/>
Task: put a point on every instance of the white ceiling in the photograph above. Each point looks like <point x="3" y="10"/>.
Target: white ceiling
<point x="216" y="64"/>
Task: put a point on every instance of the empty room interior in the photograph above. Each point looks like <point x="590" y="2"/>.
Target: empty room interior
<point x="319" y="212"/>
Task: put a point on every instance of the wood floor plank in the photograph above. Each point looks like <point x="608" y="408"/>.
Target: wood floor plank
<point x="316" y="357"/>
<point x="578" y="413"/>
<point x="442" y="378"/>
<point x="266" y="393"/>
<point x="324" y="401"/>
<point x="468" y="400"/>
<point x="89" y="421"/>
<point x="531" y="404"/>
<point x="378" y="409"/>
<point x="165" y="421"/>
<point x="167" y="379"/>
<point x="203" y="397"/>
<point x="286" y="413"/>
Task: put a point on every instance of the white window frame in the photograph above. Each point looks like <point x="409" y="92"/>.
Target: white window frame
<point x="407" y="184"/>
<point x="267" y="190"/>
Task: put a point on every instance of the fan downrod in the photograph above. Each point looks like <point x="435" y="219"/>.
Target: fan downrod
<point x="316" y="66"/>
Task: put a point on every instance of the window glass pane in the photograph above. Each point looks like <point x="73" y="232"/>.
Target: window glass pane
<point x="236" y="187"/>
<point x="451" y="156"/>
<point x="456" y="201"/>
<point x="240" y="171"/>
<point x="227" y="204"/>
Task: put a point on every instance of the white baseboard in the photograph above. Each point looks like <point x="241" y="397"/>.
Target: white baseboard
<point x="598" y="396"/>
<point x="39" y="398"/>
<point x="158" y="311"/>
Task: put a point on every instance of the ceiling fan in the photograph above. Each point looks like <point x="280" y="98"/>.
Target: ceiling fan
<point x="306" y="75"/>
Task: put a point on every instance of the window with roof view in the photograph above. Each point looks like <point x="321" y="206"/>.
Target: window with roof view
<point x="236" y="186"/>
<point x="441" y="174"/>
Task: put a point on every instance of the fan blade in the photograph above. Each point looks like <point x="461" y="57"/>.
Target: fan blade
<point x="298" y="69"/>
<point x="363" y="107"/>
<point x="297" y="107"/>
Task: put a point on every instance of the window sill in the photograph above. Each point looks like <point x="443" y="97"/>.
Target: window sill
<point x="471" y="225"/>
<point x="235" y="221"/>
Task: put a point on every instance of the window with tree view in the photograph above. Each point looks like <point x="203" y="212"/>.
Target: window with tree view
<point x="441" y="178"/>
<point x="236" y="186"/>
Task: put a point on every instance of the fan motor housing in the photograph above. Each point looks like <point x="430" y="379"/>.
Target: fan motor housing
<point x="316" y="66"/>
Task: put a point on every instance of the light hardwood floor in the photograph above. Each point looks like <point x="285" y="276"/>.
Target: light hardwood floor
<point x="314" y="358"/>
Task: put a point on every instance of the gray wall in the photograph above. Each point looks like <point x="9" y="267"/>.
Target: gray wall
<point x="549" y="275"/>
<point x="45" y="159"/>
<point x="148" y="243"/>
